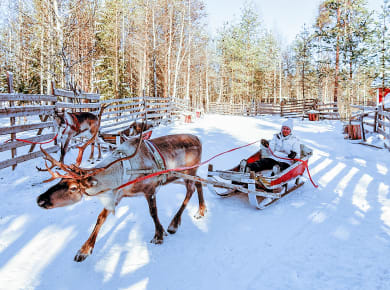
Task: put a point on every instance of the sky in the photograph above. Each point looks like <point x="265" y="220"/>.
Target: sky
<point x="334" y="237"/>
<point x="285" y="17"/>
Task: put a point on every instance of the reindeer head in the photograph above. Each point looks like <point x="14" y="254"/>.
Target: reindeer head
<point x="74" y="183"/>
<point x="58" y="119"/>
<point x="66" y="192"/>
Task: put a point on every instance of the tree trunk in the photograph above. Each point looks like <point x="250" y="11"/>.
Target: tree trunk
<point x="336" y="76"/>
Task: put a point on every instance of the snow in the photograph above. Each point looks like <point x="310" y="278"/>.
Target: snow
<point x="333" y="237"/>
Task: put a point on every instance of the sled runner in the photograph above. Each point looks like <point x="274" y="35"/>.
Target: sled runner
<point x="263" y="188"/>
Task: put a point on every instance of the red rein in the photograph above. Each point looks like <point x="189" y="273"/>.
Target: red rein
<point x="296" y="159"/>
<point x="204" y="162"/>
<point x="31" y="142"/>
<point x="180" y="168"/>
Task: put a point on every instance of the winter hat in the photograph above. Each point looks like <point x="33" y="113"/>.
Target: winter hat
<point x="288" y="123"/>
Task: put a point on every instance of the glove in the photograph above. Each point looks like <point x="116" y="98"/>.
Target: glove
<point x="264" y="143"/>
<point x="292" y="155"/>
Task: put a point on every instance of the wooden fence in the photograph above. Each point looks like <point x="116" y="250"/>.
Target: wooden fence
<point x="34" y="111"/>
<point x="227" y="108"/>
<point x="372" y="120"/>
<point x="327" y="111"/>
<point x="290" y="109"/>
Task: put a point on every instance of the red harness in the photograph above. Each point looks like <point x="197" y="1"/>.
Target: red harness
<point x="75" y="126"/>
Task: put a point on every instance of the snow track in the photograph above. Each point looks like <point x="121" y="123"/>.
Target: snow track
<point x="334" y="237"/>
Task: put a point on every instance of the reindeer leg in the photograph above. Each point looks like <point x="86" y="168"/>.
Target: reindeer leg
<point x="177" y="219"/>
<point x="88" y="246"/>
<point x="159" y="230"/>
<point x="202" y="204"/>
<point x="92" y="152"/>
<point x="64" y="147"/>
<point x="100" y="150"/>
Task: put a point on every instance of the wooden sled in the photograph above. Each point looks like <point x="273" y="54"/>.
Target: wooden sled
<point x="262" y="188"/>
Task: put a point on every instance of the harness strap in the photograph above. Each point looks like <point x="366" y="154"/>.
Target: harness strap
<point x="75" y="126"/>
<point x="126" y="168"/>
<point x="158" y="158"/>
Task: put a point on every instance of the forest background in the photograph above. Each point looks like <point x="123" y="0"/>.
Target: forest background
<point x="126" y="48"/>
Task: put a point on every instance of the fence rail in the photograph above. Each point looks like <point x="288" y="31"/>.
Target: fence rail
<point x="372" y="120"/>
<point x="26" y="117"/>
<point x="291" y="109"/>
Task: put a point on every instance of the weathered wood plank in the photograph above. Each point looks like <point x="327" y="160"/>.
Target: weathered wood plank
<point x="24" y="97"/>
<point x="22" y="128"/>
<point x="121" y="111"/>
<point x="26" y="111"/>
<point x="91" y="96"/>
<point x="17" y="144"/>
<point x="384" y="113"/>
<point x="70" y="94"/>
<point x="78" y="106"/>
<point x="121" y="100"/>
<point x="128" y="121"/>
<point x="112" y="107"/>
<point x="383" y="132"/>
<point x="385" y="123"/>
<point x="23" y="158"/>
<point x="123" y="116"/>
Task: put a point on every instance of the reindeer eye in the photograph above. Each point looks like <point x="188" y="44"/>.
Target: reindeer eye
<point x="73" y="188"/>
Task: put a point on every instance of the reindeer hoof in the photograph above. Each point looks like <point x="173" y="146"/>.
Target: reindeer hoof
<point x="172" y="229"/>
<point x="80" y="257"/>
<point x="157" y="241"/>
<point x="200" y="214"/>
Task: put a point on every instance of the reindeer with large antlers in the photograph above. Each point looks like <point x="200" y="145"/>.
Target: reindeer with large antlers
<point x="132" y="159"/>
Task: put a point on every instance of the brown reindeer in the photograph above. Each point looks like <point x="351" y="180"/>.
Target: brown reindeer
<point x="128" y="162"/>
<point x="78" y="124"/>
<point x="134" y="129"/>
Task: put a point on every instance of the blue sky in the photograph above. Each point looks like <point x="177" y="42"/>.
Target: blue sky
<point x="285" y="17"/>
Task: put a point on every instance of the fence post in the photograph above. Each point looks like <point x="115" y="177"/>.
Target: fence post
<point x="362" y="125"/>
<point x="375" y="121"/>
<point x="10" y="82"/>
<point x="281" y="108"/>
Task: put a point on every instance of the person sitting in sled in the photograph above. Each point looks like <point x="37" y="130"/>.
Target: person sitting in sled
<point x="283" y="144"/>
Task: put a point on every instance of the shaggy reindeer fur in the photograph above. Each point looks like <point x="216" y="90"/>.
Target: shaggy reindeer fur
<point x="180" y="150"/>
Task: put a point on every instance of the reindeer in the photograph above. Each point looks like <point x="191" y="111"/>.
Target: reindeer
<point x="130" y="160"/>
<point x="134" y="129"/>
<point x="78" y="124"/>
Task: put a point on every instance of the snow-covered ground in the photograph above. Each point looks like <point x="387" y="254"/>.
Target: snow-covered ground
<point x="333" y="237"/>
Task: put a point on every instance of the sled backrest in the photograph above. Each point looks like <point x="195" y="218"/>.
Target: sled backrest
<point x="305" y="151"/>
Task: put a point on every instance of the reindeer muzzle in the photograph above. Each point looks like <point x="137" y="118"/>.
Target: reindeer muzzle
<point x="44" y="201"/>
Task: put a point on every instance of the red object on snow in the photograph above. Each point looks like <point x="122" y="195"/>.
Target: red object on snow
<point x="354" y="132"/>
<point x="187" y="119"/>
<point x="313" y="116"/>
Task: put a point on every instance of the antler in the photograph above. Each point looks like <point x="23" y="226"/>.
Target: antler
<point x="70" y="173"/>
<point x="82" y="148"/>
<point x="91" y="172"/>
<point x="74" y="171"/>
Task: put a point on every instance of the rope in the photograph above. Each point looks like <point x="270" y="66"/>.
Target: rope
<point x="31" y="142"/>
<point x="305" y="163"/>
<point x="180" y="168"/>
